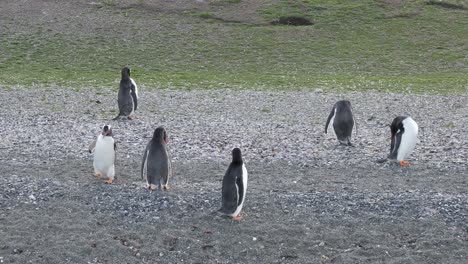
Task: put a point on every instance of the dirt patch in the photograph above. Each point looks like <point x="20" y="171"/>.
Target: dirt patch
<point x="329" y="216"/>
<point x="447" y="5"/>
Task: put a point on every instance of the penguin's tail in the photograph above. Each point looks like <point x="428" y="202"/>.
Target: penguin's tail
<point x="117" y="117"/>
<point x="381" y="160"/>
<point x="346" y="141"/>
<point x="218" y="212"/>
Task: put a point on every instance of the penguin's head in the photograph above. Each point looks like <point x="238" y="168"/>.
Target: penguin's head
<point x="236" y="155"/>
<point x="125" y="72"/>
<point x="107" y="131"/>
<point x="160" y="135"/>
<point x="397" y="125"/>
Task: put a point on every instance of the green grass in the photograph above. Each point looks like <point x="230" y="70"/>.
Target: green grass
<point x="353" y="46"/>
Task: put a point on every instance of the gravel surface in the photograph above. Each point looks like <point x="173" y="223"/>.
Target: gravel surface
<point x="309" y="199"/>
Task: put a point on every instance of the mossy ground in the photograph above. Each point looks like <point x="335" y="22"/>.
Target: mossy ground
<point x="407" y="46"/>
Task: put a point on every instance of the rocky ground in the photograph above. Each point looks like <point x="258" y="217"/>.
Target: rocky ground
<point x="309" y="200"/>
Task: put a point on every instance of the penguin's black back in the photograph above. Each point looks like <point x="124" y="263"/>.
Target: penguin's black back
<point x="157" y="163"/>
<point x="232" y="196"/>
<point x="125" y="98"/>
<point x="343" y="121"/>
<point x="157" y="160"/>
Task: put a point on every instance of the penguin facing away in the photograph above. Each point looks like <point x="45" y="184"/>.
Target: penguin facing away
<point x="104" y="154"/>
<point x="234" y="186"/>
<point x="342" y="119"/>
<point x="156" y="166"/>
<point x="404" y="135"/>
<point x="128" y="95"/>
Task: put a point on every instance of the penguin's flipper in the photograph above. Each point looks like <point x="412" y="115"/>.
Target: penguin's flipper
<point x="355" y="123"/>
<point x="143" y="164"/>
<point x="92" y="146"/>
<point x="240" y="188"/>
<point x="332" y="113"/>
<point x="115" y="149"/>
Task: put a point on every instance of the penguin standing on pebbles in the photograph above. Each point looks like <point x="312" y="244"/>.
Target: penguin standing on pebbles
<point x="234" y="186"/>
<point x="156" y="166"/>
<point x="104" y="154"/>
<point x="404" y="135"/>
<point x="342" y="120"/>
<point x="128" y="95"/>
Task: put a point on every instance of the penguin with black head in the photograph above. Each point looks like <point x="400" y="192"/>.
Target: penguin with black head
<point x="156" y="166"/>
<point x="128" y="96"/>
<point x="342" y="119"/>
<point x="403" y="135"/>
<point x="234" y="186"/>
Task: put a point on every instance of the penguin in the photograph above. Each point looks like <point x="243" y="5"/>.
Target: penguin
<point x="156" y="165"/>
<point x="342" y="119"/>
<point x="234" y="186"/>
<point x="404" y="134"/>
<point x="128" y="95"/>
<point x="104" y="154"/>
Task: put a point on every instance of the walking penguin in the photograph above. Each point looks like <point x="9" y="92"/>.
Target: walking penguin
<point x="104" y="154"/>
<point x="128" y="96"/>
<point x="156" y="166"/>
<point x="234" y="186"/>
<point x="342" y="119"/>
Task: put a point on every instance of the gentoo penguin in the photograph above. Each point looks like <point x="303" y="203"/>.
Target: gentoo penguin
<point x="404" y="134"/>
<point x="128" y="95"/>
<point x="104" y="154"/>
<point x="234" y="186"/>
<point x="342" y="119"/>
<point x="156" y="165"/>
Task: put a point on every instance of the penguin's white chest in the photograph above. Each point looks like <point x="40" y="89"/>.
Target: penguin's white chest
<point x="408" y="139"/>
<point x="104" y="154"/>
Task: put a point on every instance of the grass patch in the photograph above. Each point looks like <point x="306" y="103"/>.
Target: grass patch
<point x="352" y="46"/>
<point x="109" y="3"/>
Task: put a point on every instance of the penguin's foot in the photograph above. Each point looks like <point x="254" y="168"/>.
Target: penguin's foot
<point x="98" y="175"/>
<point x="236" y="218"/>
<point x="404" y="163"/>
<point x="152" y="187"/>
<point x="130" y="117"/>
<point x="109" y="181"/>
<point x="166" y="188"/>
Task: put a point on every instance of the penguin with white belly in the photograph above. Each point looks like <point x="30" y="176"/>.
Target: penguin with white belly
<point x="104" y="154"/>
<point x="156" y="166"/>
<point x="342" y="120"/>
<point x="404" y="135"/>
<point x="234" y="186"/>
<point x="128" y="96"/>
